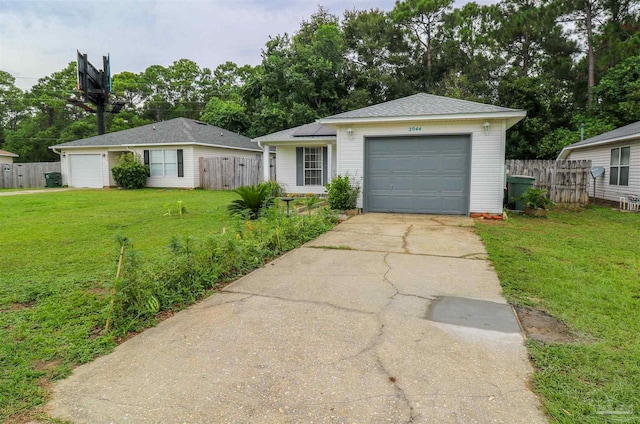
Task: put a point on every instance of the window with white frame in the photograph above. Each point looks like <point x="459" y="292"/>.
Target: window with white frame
<point x="619" y="166"/>
<point x="163" y="163"/>
<point x="313" y="166"/>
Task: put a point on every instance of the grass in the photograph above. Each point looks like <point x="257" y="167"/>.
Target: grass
<point x="58" y="257"/>
<point x="583" y="268"/>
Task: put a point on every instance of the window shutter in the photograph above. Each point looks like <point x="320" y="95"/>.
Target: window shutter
<point x="324" y="165"/>
<point x="180" y="164"/>
<point x="299" y="166"/>
<point x="146" y="162"/>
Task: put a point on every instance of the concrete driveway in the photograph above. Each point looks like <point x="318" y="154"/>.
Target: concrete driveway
<point x="387" y="318"/>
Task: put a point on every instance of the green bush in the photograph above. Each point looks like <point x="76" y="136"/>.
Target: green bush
<point x="536" y="198"/>
<point x="253" y="199"/>
<point x="276" y="189"/>
<point x="341" y="195"/>
<point x="130" y="173"/>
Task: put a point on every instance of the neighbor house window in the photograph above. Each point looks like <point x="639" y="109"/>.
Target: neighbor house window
<point x="164" y="162"/>
<point x="619" y="169"/>
<point x="313" y="166"/>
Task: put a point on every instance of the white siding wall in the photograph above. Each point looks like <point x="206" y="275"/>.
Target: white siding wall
<point x="286" y="169"/>
<point x="171" y="182"/>
<point x="601" y="156"/>
<point x="487" y="154"/>
<point x="6" y="159"/>
<point x="207" y="152"/>
<point x="191" y="154"/>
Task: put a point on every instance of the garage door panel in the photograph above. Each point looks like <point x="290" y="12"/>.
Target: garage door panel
<point x="453" y="162"/>
<point x="403" y="203"/>
<point x="417" y="174"/>
<point x="453" y="185"/>
<point x="86" y="171"/>
<point x="379" y="183"/>
<point x="428" y="184"/>
<point x="381" y="163"/>
<point x="403" y="183"/>
<point x="379" y="203"/>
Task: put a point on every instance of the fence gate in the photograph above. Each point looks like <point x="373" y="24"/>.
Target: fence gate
<point x="26" y="175"/>
<point x="229" y="173"/>
<point x="567" y="181"/>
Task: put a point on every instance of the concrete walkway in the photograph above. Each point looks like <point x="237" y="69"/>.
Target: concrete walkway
<point x="35" y="191"/>
<point x="385" y="319"/>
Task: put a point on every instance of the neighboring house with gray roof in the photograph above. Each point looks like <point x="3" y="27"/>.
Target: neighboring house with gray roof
<point x="618" y="152"/>
<point x="171" y="149"/>
<point x="7" y="157"/>
<point x="417" y="154"/>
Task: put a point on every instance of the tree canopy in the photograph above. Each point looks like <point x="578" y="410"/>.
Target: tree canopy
<point x="567" y="63"/>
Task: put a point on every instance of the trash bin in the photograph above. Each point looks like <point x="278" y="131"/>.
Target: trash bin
<point x="516" y="186"/>
<point x="53" y="179"/>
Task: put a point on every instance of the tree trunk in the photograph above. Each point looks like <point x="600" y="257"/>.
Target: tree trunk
<point x="591" y="79"/>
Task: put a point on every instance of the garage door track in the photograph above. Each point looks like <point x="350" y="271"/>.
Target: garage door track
<point x="386" y="318"/>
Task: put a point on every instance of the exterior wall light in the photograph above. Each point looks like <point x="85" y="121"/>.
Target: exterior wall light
<point x="350" y="131"/>
<point x="487" y="127"/>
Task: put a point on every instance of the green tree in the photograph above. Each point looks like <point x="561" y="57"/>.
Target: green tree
<point x="424" y="20"/>
<point x="12" y="104"/>
<point x="618" y="93"/>
<point x="49" y="114"/>
<point x="374" y="52"/>
<point x="227" y="114"/>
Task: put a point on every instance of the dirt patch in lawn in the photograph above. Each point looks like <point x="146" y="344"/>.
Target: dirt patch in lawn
<point x="18" y="306"/>
<point x="541" y="326"/>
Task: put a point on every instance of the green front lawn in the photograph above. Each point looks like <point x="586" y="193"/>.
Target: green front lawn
<point x="58" y="262"/>
<point x="583" y="268"/>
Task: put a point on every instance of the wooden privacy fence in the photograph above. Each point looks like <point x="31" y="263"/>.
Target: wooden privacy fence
<point x="26" y="175"/>
<point x="231" y="172"/>
<point x="567" y="181"/>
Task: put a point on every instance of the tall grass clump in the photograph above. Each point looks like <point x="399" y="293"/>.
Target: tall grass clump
<point x="191" y="267"/>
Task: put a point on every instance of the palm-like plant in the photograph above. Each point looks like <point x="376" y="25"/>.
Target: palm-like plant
<point x="252" y="200"/>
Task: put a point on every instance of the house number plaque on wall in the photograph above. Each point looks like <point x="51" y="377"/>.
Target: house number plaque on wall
<point x="413" y="129"/>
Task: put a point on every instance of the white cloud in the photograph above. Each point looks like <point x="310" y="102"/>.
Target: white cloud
<point x="39" y="37"/>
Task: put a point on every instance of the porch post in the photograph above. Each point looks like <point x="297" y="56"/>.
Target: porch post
<point x="330" y="162"/>
<point x="266" y="172"/>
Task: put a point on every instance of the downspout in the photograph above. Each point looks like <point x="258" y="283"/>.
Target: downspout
<point x="59" y="154"/>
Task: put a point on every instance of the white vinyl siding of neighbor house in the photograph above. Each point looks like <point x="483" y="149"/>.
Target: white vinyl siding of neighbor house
<point x="210" y="152"/>
<point x="286" y="169"/>
<point x="601" y="156"/>
<point x="175" y="181"/>
<point x="487" y="154"/>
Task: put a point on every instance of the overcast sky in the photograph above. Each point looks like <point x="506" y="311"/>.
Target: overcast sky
<point x="39" y="37"/>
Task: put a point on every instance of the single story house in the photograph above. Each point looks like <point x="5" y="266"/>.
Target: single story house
<point x="171" y="149"/>
<point x="6" y="158"/>
<point x="618" y="152"/>
<point x="418" y="154"/>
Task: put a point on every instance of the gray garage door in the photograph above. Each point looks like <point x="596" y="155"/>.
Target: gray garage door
<point x="417" y="174"/>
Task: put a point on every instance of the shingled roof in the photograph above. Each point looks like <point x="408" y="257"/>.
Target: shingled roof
<point x="420" y="105"/>
<point x="5" y="153"/>
<point x="174" y="131"/>
<point x="627" y="132"/>
<point x="307" y="132"/>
